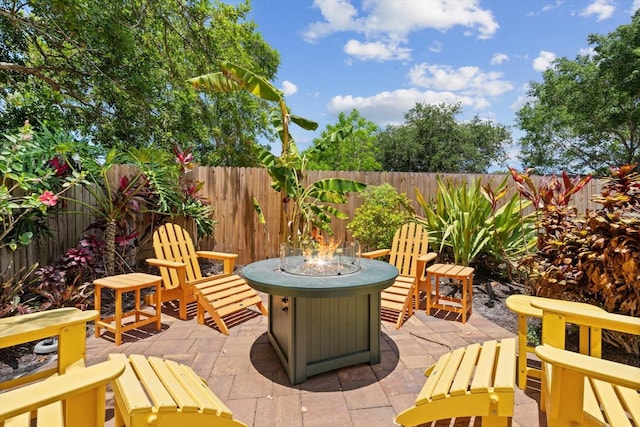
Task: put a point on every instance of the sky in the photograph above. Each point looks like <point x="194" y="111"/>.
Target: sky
<point x="382" y="57"/>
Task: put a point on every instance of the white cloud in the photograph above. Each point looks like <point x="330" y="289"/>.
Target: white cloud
<point x="391" y="21"/>
<point x="289" y="88"/>
<point x="635" y="6"/>
<point x="499" y="58"/>
<point x="549" y="7"/>
<point x="543" y="61"/>
<point x="587" y="51"/>
<point x="432" y="84"/>
<point x="377" y="51"/>
<point x="436" y="47"/>
<point x="603" y="9"/>
<point x="466" y="80"/>
<point x="340" y="15"/>
<point x="522" y="99"/>
<point x="389" y="107"/>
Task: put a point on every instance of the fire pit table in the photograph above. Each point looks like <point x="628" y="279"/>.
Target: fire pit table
<point x="320" y="322"/>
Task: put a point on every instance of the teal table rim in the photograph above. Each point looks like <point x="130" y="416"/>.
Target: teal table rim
<point x="266" y="276"/>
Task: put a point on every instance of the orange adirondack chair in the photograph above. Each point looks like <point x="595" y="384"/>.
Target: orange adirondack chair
<point x="410" y="254"/>
<point x="182" y="279"/>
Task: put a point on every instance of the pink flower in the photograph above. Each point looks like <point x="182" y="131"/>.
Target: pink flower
<point x="48" y="198"/>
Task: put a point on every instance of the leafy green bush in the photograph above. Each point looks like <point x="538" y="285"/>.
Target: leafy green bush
<point x="31" y="184"/>
<point x="384" y="210"/>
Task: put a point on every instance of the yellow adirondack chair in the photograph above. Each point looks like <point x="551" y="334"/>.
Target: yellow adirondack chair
<point x="582" y="389"/>
<point x="409" y="253"/>
<point x="182" y="278"/>
<point x="74" y="399"/>
<point x="68" y="324"/>
<point x="158" y="392"/>
<point x="477" y="380"/>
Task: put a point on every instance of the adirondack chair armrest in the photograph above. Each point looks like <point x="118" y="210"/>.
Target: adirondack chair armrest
<point x="180" y="267"/>
<point x="375" y="254"/>
<point x="57" y="388"/>
<point x="423" y="260"/>
<point x="228" y="260"/>
<point x="165" y="263"/>
<point x="592" y="367"/>
<point x="67" y="324"/>
<point x="428" y="257"/>
<point x="579" y="314"/>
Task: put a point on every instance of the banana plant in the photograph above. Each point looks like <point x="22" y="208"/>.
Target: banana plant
<point x="287" y="171"/>
<point x="312" y="204"/>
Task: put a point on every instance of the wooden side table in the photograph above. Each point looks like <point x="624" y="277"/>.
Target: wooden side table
<point x="461" y="274"/>
<point x="132" y="282"/>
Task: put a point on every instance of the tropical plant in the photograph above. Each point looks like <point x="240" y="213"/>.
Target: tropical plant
<point x="68" y="281"/>
<point x="152" y="187"/>
<point x="554" y="216"/>
<point x="310" y="210"/>
<point x="12" y="290"/>
<point x="287" y="171"/>
<point x="592" y="257"/>
<point x="192" y="205"/>
<point x="513" y="231"/>
<point x="467" y="222"/>
<point x="31" y="183"/>
<point x="456" y="220"/>
<point x="382" y="212"/>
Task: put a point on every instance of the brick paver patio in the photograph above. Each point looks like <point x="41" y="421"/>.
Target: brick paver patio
<point x="244" y="371"/>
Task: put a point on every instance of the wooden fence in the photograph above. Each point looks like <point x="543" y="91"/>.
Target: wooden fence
<point x="231" y="191"/>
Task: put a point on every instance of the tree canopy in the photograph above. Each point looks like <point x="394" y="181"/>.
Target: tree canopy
<point x="348" y="145"/>
<point x="116" y="73"/>
<point x="432" y="140"/>
<point x="585" y="115"/>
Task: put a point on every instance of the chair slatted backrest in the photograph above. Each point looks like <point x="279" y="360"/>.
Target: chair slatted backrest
<point x="173" y="243"/>
<point x="409" y="242"/>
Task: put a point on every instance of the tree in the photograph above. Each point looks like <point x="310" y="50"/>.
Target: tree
<point x="354" y="150"/>
<point x="585" y="115"/>
<point x="115" y="72"/>
<point x="431" y="140"/>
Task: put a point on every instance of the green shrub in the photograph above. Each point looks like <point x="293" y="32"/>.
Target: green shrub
<point x="383" y="211"/>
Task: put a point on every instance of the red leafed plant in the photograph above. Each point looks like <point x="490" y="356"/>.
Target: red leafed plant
<point x="593" y="257"/>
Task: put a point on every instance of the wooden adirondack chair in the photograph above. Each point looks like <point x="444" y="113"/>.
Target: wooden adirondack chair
<point x="581" y="388"/>
<point x="74" y="399"/>
<point x="409" y="253"/>
<point x="182" y="279"/>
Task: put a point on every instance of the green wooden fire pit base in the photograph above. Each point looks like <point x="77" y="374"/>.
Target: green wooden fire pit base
<point x="318" y="324"/>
